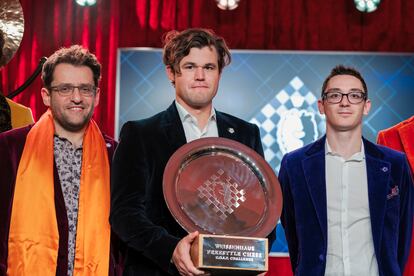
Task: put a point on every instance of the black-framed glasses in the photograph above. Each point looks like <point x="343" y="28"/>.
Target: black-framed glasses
<point x="355" y="96"/>
<point x="67" y="89"/>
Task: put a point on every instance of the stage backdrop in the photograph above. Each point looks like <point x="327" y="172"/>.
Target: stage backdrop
<point x="276" y="90"/>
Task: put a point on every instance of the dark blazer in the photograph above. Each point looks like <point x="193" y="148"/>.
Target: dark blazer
<point x="11" y="149"/>
<point x="304" y="215"/>
<point x="139" y="214"/>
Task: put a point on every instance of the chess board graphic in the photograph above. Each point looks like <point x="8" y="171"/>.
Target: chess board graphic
<point x="288" y="121"/>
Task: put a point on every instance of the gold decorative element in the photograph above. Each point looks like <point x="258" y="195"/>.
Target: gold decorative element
<point x="11" y="28"/>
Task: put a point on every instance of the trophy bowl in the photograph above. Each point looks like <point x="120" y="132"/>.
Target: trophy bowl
<point x="221" y="187"/>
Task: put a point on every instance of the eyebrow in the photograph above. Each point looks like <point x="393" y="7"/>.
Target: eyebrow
<point x="194" y="64"/>
<point x="340" y="90"/>
<point x="72" y="84"/>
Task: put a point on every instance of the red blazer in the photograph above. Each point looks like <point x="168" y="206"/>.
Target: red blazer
<point x="401" y="137"/>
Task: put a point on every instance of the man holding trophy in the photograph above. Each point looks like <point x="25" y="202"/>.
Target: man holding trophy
<point x="157" y="244"/>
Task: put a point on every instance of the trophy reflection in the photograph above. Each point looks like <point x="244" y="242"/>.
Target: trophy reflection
<point x="228" y="193"/>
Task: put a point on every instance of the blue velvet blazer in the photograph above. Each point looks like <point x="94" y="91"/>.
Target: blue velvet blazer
<point x="304" y="215"/>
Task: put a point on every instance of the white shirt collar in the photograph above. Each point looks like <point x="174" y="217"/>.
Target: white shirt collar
<point x="358" y="156"/>
<point x="185" y="115"/>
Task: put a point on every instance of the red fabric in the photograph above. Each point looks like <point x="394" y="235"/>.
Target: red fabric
<point x="400" y="137"/>
<point x="279" y="266"/>
<point x="267" y="24"/>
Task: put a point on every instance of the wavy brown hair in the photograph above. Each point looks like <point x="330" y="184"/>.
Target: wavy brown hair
<point x="75" y="55"/>
<point x="177" y="45"/>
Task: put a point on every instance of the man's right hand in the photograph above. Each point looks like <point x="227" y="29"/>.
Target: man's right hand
<point x="181" y="256"/>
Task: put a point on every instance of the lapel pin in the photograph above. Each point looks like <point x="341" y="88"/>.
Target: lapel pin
<point x="231" y="130"/>
<point x="108" y="145"/>
<point x="384" y="169"/>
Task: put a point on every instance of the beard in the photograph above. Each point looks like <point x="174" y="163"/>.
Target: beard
<point x="71" y="124"/>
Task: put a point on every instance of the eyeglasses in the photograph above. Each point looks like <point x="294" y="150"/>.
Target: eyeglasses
<point x="66" y="89"/>
<point x="335" y="96"/>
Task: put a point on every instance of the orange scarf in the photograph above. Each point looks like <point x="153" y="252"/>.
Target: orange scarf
<point x="34" y="236"/>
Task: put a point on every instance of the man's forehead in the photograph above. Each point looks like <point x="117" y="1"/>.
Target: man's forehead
<point x="206" y="54"/>
<point x="67" y="70"/>
<point x="347" y="81"/>
<point x="65" y="65"/>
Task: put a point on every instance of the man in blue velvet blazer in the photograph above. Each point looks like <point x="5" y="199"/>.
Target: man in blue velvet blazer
<point x="157" y="244"/>
<point x="348" y="203"/>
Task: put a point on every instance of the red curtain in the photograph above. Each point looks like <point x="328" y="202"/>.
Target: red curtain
<point x="51" y="24"/>
<point x="265" y="24"/>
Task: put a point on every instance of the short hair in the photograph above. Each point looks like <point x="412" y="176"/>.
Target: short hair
<point x="344" y="70"/>
<point x="75" y="55"/>
<point x="177" y="45"/>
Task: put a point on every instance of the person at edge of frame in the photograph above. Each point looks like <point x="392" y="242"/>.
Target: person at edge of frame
<point x="348" y="203"/>
<point x="55" y="183"/>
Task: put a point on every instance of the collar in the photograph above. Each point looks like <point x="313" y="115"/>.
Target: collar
<point x="65" y="141"/>
<point x="358" y="156"/>
<point x="185" y="115"/>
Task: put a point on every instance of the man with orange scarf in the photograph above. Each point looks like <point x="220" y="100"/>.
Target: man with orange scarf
<point x="54" y="185"/>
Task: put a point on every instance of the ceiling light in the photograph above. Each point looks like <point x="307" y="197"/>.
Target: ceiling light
<point x="227" y="4"/>
<point x="367" y="5"/>
<point x="86" y="2"/>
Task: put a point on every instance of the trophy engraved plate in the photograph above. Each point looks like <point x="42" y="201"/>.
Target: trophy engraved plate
<point x="227" y="254"/>
<point x="221" y="187"/>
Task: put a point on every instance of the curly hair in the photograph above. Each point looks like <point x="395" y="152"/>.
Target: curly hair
<point x="177" y="45"/>
<point x="75" y="55"/>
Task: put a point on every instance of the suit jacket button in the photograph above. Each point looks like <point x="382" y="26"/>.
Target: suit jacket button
<point x="321" y="257"/>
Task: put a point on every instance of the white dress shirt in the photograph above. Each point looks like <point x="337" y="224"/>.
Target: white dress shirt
<point x="350" y="245"/>
<point x="190" y="124"/>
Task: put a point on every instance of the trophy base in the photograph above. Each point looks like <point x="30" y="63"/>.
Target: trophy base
<point x="230" y="255"/>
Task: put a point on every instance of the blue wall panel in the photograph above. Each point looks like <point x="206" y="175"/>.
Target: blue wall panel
<point x="276" y="90"/>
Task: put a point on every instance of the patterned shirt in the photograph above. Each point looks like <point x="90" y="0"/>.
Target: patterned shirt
<point x="69" y="163"/>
